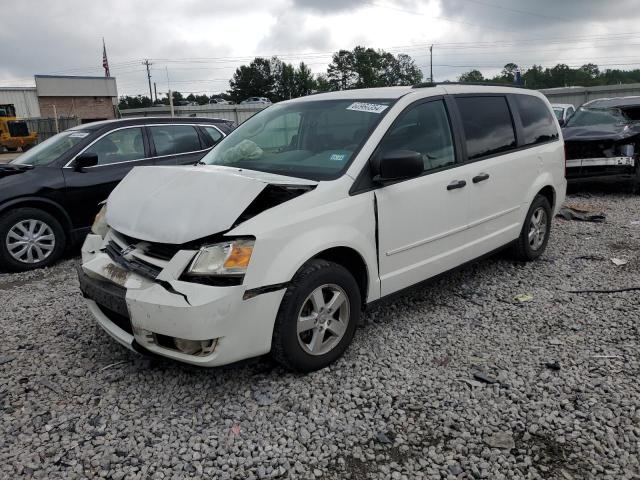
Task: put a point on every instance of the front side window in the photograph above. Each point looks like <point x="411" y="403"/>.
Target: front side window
<point x="424" y="129"/>
<point x="537" y="123"/>
<point x="119" y="146"/>
<point x="308" y="139"/>
<point x="487" y="125"/>
<point x="175" y="139"/>
<point x="52" y="148"/>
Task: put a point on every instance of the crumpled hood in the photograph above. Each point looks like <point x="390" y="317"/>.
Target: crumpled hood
<point x="179" y="204"/>
<point x="599" y="132"/>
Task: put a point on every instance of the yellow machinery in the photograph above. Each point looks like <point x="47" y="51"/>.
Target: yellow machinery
<point x="14" y="133"/>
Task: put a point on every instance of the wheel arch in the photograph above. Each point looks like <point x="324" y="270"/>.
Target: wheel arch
<point x="49" y="206"/>
<point x="353" y="262"/>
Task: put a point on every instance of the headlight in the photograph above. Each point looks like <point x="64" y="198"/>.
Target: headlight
<point x="100" y="226"/>
<point x="228" y="258"/>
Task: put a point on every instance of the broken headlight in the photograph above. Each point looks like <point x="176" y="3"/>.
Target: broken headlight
<point x="229" y="259"/>
<point x="626" y="150"/>
<point x="100" y="226"/>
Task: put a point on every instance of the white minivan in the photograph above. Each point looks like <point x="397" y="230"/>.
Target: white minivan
<point x="314" y="209"/>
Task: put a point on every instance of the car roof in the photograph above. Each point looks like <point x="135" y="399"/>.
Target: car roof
<point x="633" y="101"/>
<point x="562" y="105"/>
<point x="124" y="122"/>
<point x="393" y="93"/>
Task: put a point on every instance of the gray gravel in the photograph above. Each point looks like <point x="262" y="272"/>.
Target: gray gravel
<point x="457" y="380"/>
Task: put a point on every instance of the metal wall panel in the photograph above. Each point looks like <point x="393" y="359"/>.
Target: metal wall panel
<point x="579" y="95"/>
<point x="59" y="86"/>
<point x="24" y="99"/>
<point x="237" y="113"/>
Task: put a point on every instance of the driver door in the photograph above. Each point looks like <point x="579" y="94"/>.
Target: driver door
<point x="422" y="222"/>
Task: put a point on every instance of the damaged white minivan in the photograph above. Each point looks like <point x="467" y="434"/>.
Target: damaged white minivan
<point x="314" y="209"/>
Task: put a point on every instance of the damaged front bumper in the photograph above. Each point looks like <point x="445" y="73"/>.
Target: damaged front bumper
<point x="189" y="322"/>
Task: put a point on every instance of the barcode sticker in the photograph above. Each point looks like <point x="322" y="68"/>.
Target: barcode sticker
<point x="367" y="107"/>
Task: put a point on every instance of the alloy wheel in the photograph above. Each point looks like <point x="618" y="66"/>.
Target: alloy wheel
<point x="537" y="228"/>
<point x="323" y="319"/>
<point x="30" y="241"/>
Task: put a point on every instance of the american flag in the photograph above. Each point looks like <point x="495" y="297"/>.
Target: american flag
<point x="105" y="61"/>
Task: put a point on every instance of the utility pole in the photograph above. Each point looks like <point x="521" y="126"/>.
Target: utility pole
<point x="155" y="92"/>
<point x="170" y="93"/>
<point x="148" y="64"/>
<point x="431" y="63"/>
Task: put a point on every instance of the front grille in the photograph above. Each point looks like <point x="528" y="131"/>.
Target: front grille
<point x="132" y="264"/>
<point x="18" y="129"/>
<point x="121" y="321"/>
<point x="161" y="251"/>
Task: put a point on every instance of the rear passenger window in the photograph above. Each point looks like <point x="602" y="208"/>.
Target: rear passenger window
<point x="487" y="125"/>
<point x="537" y="122"/>
<point x="424" y="129"/>
<point x="175" y="139"/>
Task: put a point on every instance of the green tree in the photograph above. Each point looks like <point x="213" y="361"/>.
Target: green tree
<point x="253" y="80"/>
<point x="341" y="73"/>
<point x="138" y="101"/>
<point x="471" y="76"/>
<point x="303" y="80"/>
<point x="283" y="80"/>
<point x="367" y="67"/>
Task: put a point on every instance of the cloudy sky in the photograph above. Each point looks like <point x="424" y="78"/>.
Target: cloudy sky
<point x="197" y="44"/>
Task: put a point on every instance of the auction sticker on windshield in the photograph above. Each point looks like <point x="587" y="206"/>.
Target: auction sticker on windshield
<point x="367" y="107"/>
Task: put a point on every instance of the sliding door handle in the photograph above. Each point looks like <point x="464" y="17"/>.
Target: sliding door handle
<point x="456" y="184"/>
<point x="481" y="177"/>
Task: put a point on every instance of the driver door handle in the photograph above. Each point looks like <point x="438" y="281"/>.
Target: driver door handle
<point x="481" y="177"/>
<point x="456" y="184"/>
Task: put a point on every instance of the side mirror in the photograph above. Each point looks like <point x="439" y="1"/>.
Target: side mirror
<point x="397" y="165"/>
<point x="85" y="160"/>
<point x="562" y="121"/>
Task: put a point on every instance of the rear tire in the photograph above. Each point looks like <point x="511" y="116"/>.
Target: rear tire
<point x="30" y="238"/>
<point x="11" y="149"/>
<point x="534" y="235"/>
<point x="317" y="318"/>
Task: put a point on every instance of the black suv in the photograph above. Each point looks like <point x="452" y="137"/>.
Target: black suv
<point x="50" y="194"/>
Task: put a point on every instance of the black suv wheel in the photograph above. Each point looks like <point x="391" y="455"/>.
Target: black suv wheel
<point x="29" y="238"/>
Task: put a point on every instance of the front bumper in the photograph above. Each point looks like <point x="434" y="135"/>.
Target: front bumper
<point x="601" y="167"/>
<point x="158" y="311"/>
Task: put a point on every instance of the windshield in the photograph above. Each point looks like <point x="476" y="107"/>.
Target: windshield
<point x="596" y="116"/>
<point x="314" y="140"/>
<point x="49" y="150"/>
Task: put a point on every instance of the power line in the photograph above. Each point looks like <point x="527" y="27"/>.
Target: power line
<point x="515" y="10"/>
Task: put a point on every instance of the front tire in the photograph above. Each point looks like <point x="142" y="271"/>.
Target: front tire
<point x="30" y="238"/>
<point x="317" y="318"/>
<point x="534" y="235"/>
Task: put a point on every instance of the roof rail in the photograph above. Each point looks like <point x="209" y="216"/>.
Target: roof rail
<point x="479" y="84"/>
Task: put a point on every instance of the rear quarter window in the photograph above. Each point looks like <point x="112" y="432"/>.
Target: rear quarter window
<point x="487" y="125"/>
<point x="538" y="125"/>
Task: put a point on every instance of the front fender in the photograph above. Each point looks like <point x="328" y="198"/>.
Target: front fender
<point x="286" y="238"/>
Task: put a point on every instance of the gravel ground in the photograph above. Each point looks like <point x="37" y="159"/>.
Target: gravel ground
<point x="457" y="380"/>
